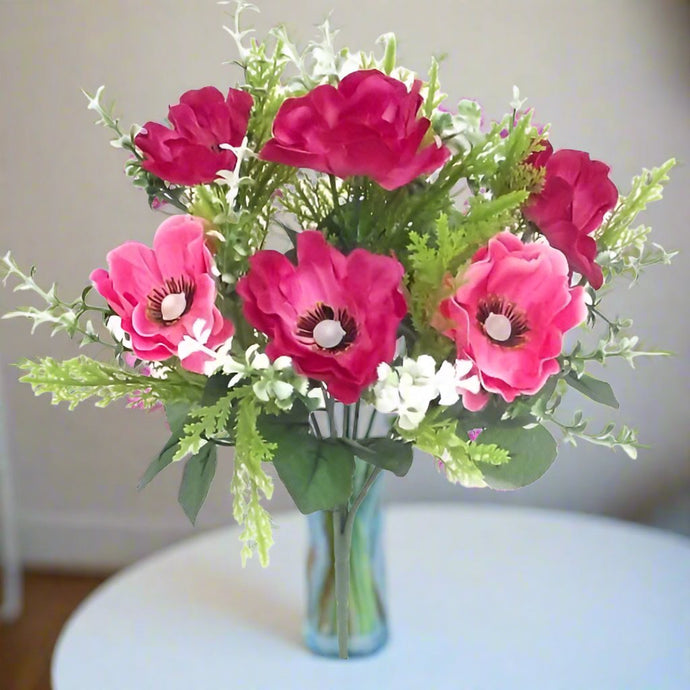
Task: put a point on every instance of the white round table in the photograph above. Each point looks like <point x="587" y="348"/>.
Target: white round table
<point x="479" y="598"/>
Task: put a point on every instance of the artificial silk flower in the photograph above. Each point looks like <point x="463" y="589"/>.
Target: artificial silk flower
<point x="407" y="390"/>
<point x="368" y="125"/>
<point x="577" y="193"/>
<point x="510" y="313"/>
<point x="456" y="380"/>
<point x="160" y="293"/>
<point x="336" y="316"/>
<point x="205" y="126"/>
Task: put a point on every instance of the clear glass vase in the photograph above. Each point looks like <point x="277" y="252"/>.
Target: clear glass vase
<point x="367" y="625"/>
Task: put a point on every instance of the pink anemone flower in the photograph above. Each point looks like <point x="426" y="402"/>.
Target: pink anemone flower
<point x="161" y="293"/>
<point x="510" y="313"/>
<point x="337" y="316"/>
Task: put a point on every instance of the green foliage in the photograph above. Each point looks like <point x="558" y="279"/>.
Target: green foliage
<point x="441" y="253"/>
<point x="177" y="416"/>
<point x="81" y="378"/>
<point x="612" y="345"/>
<point x="318" y="473"/>
<point x="464" y="461"/>
<point x="626" y="250"/>
<point x="386" y="453"/>
<point x="209" y="422"/>
<point x="625" y="438"/>
<point x="62" y="316"/>
<point x="156" y="189"/>
<point x="646" y="188"/>
<point x="196" y="480"/>
<point x="250" y="482"/>
<point x="596" y="390"/>
<point x="532" y="451"/>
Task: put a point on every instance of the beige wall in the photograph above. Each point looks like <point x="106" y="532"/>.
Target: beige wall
<point x="612" y="77"/>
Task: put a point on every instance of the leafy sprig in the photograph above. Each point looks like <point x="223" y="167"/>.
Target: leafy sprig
<point x="82" y="378"/>
<point x="60" y="315"/>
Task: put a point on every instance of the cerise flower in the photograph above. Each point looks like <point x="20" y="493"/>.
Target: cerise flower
<point x="577" y="193"/>
<point x="510" y="313"/>
<point x="368" y="126"/>
<point x="160" y="293"/>
<point x="337" y="316"/>
<point x="192" y="151"/>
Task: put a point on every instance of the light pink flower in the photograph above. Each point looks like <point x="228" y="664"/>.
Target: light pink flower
<point x="160" y="293"/>
<point x="510" y="313"/>
<point x="368" y="125"/>
<point x="337" y="316"/>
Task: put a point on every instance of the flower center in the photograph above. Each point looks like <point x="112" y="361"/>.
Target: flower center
<point x="501" y="321"/>
<point x="172" y="300"/>
<point x="325" y="328"/>
<point x="328" y="333"/>
<point x="498" y="327"/>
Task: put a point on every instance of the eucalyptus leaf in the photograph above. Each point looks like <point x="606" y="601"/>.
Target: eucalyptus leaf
<point x="597" y="390"/>
<point x="532" y="452"/>
<point x="316" y="472"/>
<point x="196" y="480"/>
<point x="387" y="454"/>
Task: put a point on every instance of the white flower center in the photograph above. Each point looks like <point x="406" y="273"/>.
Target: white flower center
<point x="498" y="327"/>
<point x="328" y="333"/>
<point x="173" y="306"/>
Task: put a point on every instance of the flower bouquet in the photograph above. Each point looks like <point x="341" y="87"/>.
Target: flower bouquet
<point x="349" y="268"/>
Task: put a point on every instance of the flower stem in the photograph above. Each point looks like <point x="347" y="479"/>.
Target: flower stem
<point x="334" y="192"/>
<point x="370" y="426"/>
<point x="342" y="540"/>
<point x="343" y="523"/>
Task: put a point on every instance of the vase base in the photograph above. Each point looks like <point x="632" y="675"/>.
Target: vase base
<point x="358" y="645"/>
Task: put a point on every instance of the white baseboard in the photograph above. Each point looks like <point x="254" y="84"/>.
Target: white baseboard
<point x="92" y="543"/>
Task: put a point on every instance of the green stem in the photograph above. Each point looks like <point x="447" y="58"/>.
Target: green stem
<point x="334" y="192"/>
<point x="330" y="411"/>
<point x="355" y="428"/>
<point x="342" y="540"/>
<point x="370" y="426"/>
<point x="343" y="523"/>
<point x="315" y="425"/>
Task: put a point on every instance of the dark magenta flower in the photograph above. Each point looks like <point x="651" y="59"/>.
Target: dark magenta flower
<point x="368" y="125"/>
<point x="191" y="151"/>
<point x="336" y="316"/>
<point x="577" y="193"/>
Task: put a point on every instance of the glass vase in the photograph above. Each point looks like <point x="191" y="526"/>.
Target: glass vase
<point x="367" y="625"/>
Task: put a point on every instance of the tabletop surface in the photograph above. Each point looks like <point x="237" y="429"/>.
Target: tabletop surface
<point x="479" y="598"/>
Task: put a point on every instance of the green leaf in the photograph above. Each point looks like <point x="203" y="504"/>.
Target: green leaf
<point x="597" y="390"/>
<point x="387" y="454"/>
<point x="532" y="452"/>
<point x="177" y="415"/>
<point x="317" y="473"/>
<point x="196" y="480"/>
<point x="160" y="462"/>
<point x="215" y="389"/>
